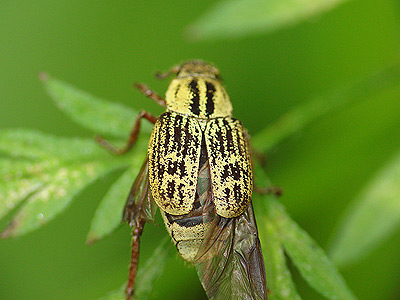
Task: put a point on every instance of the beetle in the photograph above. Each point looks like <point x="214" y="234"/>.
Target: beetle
<point x="198" y="172"/>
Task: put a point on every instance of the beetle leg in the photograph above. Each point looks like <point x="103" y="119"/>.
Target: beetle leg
<point x="274" y="190"/>
<point x="132" y="138"/>
<point x="136" y="233"/>
<point x="259" y="156"/>
<point x="150" y="93"/>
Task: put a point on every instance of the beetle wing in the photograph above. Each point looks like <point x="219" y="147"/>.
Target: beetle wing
<point x="230" y="166"/>
<point x="174" y="154"/>
<point x="230" y="263"/>
<point x="140" y="203"/>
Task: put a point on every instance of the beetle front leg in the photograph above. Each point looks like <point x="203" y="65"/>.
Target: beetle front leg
<point x="150" y="93"/>
<point x="164" y="75"/>
<point x="132" y="138"/>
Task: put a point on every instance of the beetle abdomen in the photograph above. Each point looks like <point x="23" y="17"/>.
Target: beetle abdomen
<point x="187" y="234"/>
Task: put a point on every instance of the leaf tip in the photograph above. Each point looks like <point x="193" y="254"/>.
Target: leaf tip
<point x="90" y="240"/>
<point x="9" y="231"/>
<point x="43" y="76"/>
<point x="4" y="235"/>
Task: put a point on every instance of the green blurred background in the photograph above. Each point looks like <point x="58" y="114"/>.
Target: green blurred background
<point x="104" y="46"/>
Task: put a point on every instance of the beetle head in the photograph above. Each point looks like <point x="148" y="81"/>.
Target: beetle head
<point x="192" y="68"/>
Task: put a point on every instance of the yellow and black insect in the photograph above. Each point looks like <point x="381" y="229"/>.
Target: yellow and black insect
<point x="198" y="172"/>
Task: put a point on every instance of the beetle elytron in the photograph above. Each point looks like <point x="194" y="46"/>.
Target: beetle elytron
<point x="198" y="172"/>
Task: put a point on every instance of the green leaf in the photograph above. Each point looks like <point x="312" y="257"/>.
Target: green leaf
<point x="100" y="116"/>
<point x="33" y="144"/>
<point x="312" y="263"/>
<point x="147" y="274"/>
<point x="19" y="179"/>
<point x="152" y="269"/>
<point x="296" y="119"/>
<point x="235" y="18"/>
<point x="118" y="294"/>
<point x="108" y="215"/>
<point x="373" y="216"/>
<point x="59" y="188"/>
<point x="48" y="171"/>
<point x="279" y="279"/>
<point x="14" y="169"/>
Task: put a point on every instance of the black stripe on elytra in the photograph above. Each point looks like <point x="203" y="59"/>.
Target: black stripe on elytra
<point x="177" y="128"/>
<point x="171" y="189"/>
<point x="232" y="170"/>
<point x="210" y="98"/>
<point x="237" y="193"/>
<point x="195" y="106"/>
<point x="230" y="145"/>
<point x="220" y="138"/>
